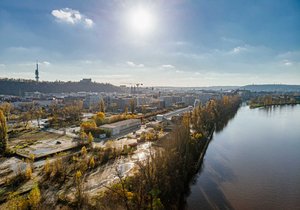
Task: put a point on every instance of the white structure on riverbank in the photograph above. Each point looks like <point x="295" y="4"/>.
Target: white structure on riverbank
<point x="178" y="112"/>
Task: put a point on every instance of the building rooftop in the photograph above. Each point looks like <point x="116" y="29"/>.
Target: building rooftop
<point x="120" y="123"/>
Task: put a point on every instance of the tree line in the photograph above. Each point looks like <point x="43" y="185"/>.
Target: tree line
<point x="269" y="100"/>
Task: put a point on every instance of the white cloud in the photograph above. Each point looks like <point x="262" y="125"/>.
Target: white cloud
<point x="290" y="55"/>
<point x="287" y="63"/>
<point x="86" y="61"/>
<point x="168" y="66"/>
<point x="89" y="62"/>
<point x="119" y="76"/>
<point x="2" y="65"/>
<point x="238" y="50"/>
<point x="231" y="40"/>
<point x="89" y="23"/>
<point x="71" y="16"/>
<point x="179" y="71"/>
<point x="46" y="63"/>
<point x="182" y="43"/>
<point x="132" y="64"/>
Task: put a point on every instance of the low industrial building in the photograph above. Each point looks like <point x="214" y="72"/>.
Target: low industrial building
<point x="123" y="127"/>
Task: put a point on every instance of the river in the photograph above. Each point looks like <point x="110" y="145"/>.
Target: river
<point x="253" y="163"/>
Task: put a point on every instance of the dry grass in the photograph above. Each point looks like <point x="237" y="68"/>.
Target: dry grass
<point x="28" y="137"/>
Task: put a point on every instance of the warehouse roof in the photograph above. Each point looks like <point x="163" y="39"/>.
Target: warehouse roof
<point x="120" y="123"/>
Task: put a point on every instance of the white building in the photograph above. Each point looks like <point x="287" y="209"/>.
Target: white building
<point x="188" y="100"/>
<point x="123" y="127"/>
<point x="92" y="100"/>
<point x="167" y="99"/>
<point x="33" y="95"/>
<point x="142" y="101"/>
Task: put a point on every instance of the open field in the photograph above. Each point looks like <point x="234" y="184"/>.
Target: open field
<point x="40" y="143"/>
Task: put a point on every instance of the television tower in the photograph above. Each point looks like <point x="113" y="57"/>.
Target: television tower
<point x="37" y="72"/>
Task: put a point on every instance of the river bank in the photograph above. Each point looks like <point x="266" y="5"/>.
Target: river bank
<point x="253" y="106"/>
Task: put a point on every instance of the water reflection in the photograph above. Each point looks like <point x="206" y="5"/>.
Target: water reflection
<point x="271" y="110"/>
<point x="253" y="163"/>
<point x="222" y="124"/>
<point x="209" y="195"/>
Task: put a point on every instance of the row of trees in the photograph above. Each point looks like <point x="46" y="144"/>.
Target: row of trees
<point x="214" y="112"/>
<point x="58" y="114"/>
<point x="69" y="114"/>
<point x="268" y="100"/>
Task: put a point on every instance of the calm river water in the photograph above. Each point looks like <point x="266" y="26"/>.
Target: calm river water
<point x="253" y="163"/>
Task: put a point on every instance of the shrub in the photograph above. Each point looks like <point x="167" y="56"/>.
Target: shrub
<point x="99" y="118"/>
<point x="92" y="162"/>
<point x="34" y="197"/>
<point x="97" y="131"/>
<point x="28" y="171"/>
<point x="83" y="151"/>
<point x="88" y="125"/>
<point x="47" y="167"/>
<point x="16" y="202"/>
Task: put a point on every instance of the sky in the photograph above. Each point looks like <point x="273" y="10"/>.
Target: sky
<point x="156" y="43"/>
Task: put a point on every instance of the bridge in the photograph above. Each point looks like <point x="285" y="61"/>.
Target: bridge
<point x="169" y="115"/>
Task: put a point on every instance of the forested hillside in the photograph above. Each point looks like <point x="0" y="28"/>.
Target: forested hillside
<point x="19" y="87"/>
<point x="272" y="88"/>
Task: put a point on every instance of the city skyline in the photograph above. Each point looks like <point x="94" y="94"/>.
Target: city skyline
<point x="178" y="43"/>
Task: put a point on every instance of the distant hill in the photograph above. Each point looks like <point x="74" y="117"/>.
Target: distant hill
<point x="219" y="88"/>
<point x="214" y="88"/>
<point x="271" y="88"/>
<point x="19" y="87"/>
<point x="253" y="88"/>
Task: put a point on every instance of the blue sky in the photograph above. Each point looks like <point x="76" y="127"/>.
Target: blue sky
<point x="190" y="43"/>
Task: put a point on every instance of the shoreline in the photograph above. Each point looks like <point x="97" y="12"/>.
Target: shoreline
<point x="274" y="104"/>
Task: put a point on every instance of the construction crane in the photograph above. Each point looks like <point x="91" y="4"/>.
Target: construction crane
<point x="133" y="87"/>
<point x="127" y="85"/>
<point x="137" y="86"/>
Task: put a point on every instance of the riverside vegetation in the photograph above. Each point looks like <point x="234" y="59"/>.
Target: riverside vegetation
<point x="270" y="100"/>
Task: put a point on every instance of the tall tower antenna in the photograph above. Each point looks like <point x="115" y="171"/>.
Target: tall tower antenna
<point x="37" y="72"/>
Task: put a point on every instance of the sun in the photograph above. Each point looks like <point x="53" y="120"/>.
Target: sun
<point x="141" y="20"/>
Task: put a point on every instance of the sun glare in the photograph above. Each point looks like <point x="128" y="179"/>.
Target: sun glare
<point x="141" y="20"/>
